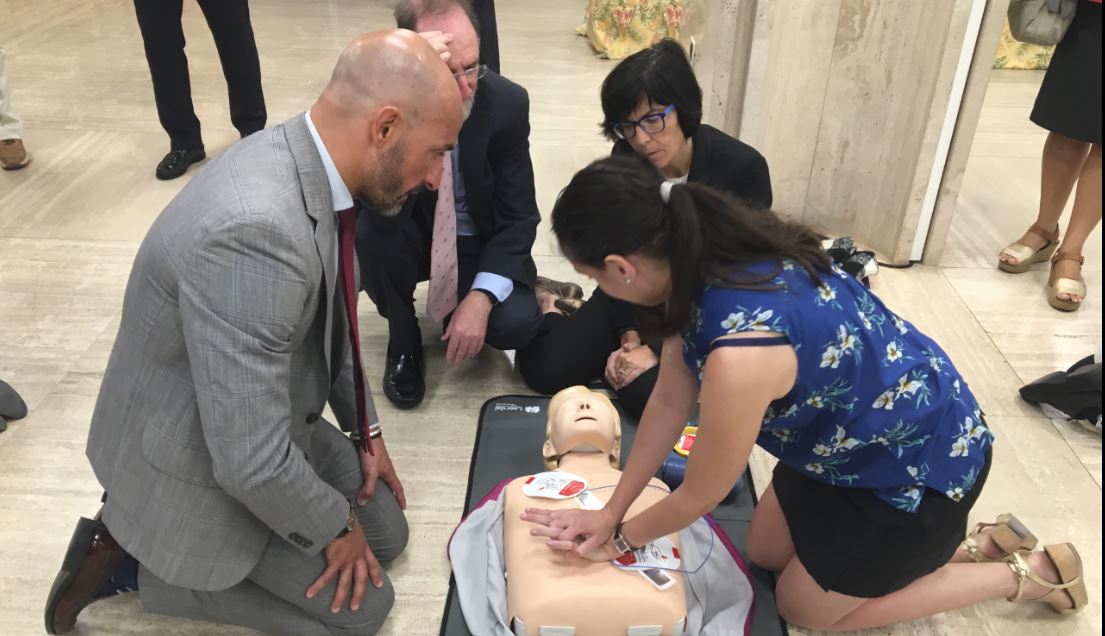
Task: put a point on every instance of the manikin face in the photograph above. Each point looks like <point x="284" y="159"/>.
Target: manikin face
<point x="581" y="421"/>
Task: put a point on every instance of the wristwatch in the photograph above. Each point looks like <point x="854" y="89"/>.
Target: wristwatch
<point x="349" y="523"/>
<point x="621" y="544"/>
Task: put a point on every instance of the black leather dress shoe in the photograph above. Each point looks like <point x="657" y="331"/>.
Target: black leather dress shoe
<point x="93" y="556"/>
<point x="404" y="379"/>
<point x="177" y="161"/>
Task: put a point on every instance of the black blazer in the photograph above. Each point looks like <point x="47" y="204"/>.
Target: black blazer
<point x="498" y="179"/>
<point x="725" y="163"/>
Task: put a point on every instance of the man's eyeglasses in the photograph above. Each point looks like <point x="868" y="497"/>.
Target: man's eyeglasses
<point x="472" y="72"/>
<point x="651" y="124"/>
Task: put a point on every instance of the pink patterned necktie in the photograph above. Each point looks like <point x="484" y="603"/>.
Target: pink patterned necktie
<point x="346" y="253"/>
<point x="443" y="256"/>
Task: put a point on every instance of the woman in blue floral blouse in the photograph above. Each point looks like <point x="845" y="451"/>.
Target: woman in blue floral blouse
<point x="882" y="447"/>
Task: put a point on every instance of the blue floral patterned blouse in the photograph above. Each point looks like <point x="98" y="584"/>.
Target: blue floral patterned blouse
<point x="876" y="405"/>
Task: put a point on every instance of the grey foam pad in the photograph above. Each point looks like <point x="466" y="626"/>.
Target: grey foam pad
<point x="509" y="437"/>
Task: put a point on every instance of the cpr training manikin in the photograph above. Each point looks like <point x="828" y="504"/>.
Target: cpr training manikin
<point x="552" y="589"/>
<point x="510" y="583"/>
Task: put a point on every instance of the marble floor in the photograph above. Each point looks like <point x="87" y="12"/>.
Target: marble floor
<point x="70" y="225"/>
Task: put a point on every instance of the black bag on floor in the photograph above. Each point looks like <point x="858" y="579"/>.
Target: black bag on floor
<point x="1076" y="391"/>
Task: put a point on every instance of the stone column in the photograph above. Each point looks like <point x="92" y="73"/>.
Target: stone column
<point x="847" y="99"/>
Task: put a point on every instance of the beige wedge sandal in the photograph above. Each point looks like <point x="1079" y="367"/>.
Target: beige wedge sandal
<point x="1025" y="255"/>
<point x="1069" y="564"/>
<point x="1067" y="286"/>
<point x="1007" y="533"/>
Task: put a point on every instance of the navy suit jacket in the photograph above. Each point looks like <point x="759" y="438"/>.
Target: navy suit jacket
<point x="498" y="180"/>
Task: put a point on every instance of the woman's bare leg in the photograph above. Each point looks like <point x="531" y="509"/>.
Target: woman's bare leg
<point x="1060" y="168"/>
<point x="804" y="603"/>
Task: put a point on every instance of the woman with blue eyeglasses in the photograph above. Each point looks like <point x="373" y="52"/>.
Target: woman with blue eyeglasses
<point x="652" y="105"/>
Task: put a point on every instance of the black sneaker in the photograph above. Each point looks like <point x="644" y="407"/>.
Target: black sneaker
<point x="177" y="161"/>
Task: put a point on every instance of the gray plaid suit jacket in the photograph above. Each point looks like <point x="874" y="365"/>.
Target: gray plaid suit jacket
<point x="233" y="338"/>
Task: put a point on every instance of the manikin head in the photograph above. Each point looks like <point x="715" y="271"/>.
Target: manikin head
<point x="582" y="421"/>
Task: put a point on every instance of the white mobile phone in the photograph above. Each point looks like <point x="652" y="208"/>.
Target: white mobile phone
<point x="659" y="578"/>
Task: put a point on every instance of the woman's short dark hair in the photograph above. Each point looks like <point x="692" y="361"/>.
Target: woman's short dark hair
<point x="663" y="75"/>
<point x="615" y="206"/>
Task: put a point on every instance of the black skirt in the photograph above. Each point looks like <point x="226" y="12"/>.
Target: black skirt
<point x="853" y="543"/>
<point x="1069" y="102"/>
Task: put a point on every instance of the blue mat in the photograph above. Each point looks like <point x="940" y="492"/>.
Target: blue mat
<point x="508" y="442"/>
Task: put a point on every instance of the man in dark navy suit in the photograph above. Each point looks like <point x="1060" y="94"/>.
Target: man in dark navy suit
<point x="496" y="220"/>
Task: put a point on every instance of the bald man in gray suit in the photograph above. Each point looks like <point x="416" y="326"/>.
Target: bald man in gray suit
<point x="229" y="498"/>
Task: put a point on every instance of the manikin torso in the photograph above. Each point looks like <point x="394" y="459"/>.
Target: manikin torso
<point x="548" y="589"/>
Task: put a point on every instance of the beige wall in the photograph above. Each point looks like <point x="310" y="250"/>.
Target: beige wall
<point x="845" y="98"/>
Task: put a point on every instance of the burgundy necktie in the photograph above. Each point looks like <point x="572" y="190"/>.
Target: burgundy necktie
<point x="346" y="254"/>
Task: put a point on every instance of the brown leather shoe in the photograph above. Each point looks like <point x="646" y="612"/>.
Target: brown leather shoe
<point x="92" y="557"/>
<point x="13" y="155"/>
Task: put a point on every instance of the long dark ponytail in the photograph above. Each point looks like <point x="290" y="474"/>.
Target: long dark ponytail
<point x="616" y="206"/>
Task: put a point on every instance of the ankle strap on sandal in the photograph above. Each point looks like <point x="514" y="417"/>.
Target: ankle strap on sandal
<point x="1024" y="573"/>
<point x="1068" y="256"/>
<point x="1044" y="233"/>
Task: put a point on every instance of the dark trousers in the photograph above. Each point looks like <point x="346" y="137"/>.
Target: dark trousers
<point x="394" y="256"/>
<point x="570" y="351"/>
<point x="489" y="33"/>
<point x="163" y="37"/>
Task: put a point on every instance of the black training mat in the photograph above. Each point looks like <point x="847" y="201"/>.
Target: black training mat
<point x="508" y="444"/>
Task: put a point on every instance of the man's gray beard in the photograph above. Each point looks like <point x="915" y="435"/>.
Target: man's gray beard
<point x="391" y="211"/>
<point x="467" y="107"/>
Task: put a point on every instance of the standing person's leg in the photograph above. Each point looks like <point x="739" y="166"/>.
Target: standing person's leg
<point x="12" y="153"/>
<point x="163" y="38"/>
<point x="11" y="127"/>
<point x="569" y="351"/>
<point x="230" y="25"/>
<point x="1060" y="166"/>
<point x="273" y="597"/>
<point x="1084" y="219"/>
<point x="489" y="33"/>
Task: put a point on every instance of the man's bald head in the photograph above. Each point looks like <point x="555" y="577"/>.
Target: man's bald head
<point x="390" y="112"/>
<point x="396" y="67"/>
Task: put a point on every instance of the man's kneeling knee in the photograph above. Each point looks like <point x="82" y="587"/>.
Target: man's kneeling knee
<point x="368" y="619"/>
